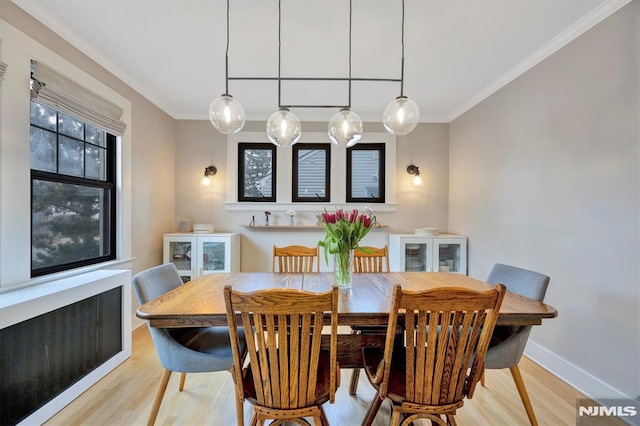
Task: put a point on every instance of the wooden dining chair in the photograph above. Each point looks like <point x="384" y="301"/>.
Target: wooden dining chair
<point x="288" y="377"/>
<point x="295" y="259"/>
<point x="441" y="358"/>
<point x="508" y="342"/>
<point x="184" y="350"/>
<point x="369" y="259"/>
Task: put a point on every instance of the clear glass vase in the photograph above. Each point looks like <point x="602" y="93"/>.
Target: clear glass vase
<point x="343" y="268"/>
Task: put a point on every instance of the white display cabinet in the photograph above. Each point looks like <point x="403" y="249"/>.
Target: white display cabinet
<point x="196" y="254"/>
<point x="439" y="253"/>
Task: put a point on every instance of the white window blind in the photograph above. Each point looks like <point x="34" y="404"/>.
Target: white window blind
<point x="53" y="89"/>
<point x="3" y="70"/>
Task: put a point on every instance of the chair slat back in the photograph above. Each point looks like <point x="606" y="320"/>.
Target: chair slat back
<point x="295" y="259"/>
<point x="447" y="330"/>
<point x="371" y="259"/>
<point x="284" y="348"/>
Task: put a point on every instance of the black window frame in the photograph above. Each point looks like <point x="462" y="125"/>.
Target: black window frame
<point x="242" y="147"/>
<point x="109" y="184"/>
<point x="326" y="147"/>
<point x="380" y="147"/>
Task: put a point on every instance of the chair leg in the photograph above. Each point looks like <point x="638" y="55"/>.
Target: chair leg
<point x="239" y="411"/>
<point x="395" y="418"/>
<point x="517" y="378"/>
<point x="183" y="377"/>
<point x="164" y="380"/>
<point x="372" y="411"/>
<point x="355" y="376"/>
<point x="323" y="417"/>
<point x="482" y="379"/>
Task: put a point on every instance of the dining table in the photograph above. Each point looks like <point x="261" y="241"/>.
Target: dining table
<point x="200" y="303"/>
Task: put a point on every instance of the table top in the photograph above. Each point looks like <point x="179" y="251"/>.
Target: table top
<point x="201" y="303"/>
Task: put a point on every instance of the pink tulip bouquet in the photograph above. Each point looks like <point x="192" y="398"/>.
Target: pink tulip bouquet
<point x="343" y="233"/>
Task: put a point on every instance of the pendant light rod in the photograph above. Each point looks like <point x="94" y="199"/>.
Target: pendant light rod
<point x="402" y="59"/>
<point x="279" y="52"/>
<point x="350" y="20"/>
<point x="226" y="57"/>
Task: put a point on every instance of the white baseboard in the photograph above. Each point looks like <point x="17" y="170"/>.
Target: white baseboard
<point x="573" y="375"/>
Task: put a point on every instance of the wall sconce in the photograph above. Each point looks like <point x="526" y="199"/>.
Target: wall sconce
<point x="208" y="173"/>
<point x="415" y="171"/>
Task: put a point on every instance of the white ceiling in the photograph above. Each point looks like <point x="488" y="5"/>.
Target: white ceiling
<point x="457" y="52"/>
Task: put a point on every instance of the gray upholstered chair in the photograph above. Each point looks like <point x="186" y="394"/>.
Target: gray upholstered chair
<point x="508" y="342"/>
<point x="184" y="350"/>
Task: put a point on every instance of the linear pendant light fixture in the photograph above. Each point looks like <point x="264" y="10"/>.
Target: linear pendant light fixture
<point x="400" y="117"/>
<point x="283" y="127"/>
<point x="226" y="114"/>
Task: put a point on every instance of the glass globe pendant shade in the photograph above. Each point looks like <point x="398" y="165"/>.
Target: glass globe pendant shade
<point x="401" y="116"/>
<point x="345" y="128"/>
<point x="283" y="128"/>
<point x="226" y="114"/>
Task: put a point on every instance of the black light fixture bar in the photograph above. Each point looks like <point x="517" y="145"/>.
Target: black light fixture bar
<point x="394" y="80"/>
<point x="314" y="106"/>
<point x="280" y="79"/>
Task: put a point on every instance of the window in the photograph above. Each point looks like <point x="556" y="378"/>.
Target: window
<point x="256" y="172"/>
<point x="365" y="173"/>
<point x="311" y="172"/>
<point x="374" y="179"/>
<point x="73" y="209"/>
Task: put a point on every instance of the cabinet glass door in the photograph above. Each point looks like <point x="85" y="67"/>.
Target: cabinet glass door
<point x="450" y="257"/>
<point x="415" y="257"/>
<point x="213" y="256"/>
<point x="180" y="255"/>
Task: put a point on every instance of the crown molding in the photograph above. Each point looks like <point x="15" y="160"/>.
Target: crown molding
<point x="34" y="8"/>
<point x="590" y="20"/>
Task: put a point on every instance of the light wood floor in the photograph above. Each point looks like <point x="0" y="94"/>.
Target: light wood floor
<point x="124" y="397"/>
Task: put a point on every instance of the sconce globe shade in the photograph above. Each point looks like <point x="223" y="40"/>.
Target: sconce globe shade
<point x="226" y="114"/>
<point x="401" y="116"/>
<point x="283" y="128"/>
<point x="345" y="128"/>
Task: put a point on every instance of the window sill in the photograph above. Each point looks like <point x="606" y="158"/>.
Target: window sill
<point x="110" y="265"/>
<point x="293" y="227"/>
<point x="308" y="207"/>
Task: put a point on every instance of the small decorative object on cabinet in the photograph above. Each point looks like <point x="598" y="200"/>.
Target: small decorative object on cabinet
<point x="197" y="254"/>
<point x="441" y="253"/>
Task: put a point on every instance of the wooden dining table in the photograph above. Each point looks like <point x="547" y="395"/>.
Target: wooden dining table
<point x="200" y="303"/>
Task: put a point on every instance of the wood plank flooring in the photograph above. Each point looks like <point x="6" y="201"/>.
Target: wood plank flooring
<point x="124" y="397"/>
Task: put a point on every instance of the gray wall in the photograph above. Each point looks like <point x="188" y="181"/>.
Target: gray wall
<point x="544" y="175"/>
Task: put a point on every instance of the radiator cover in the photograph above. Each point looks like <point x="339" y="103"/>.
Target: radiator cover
<point x="44" y="355"/>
